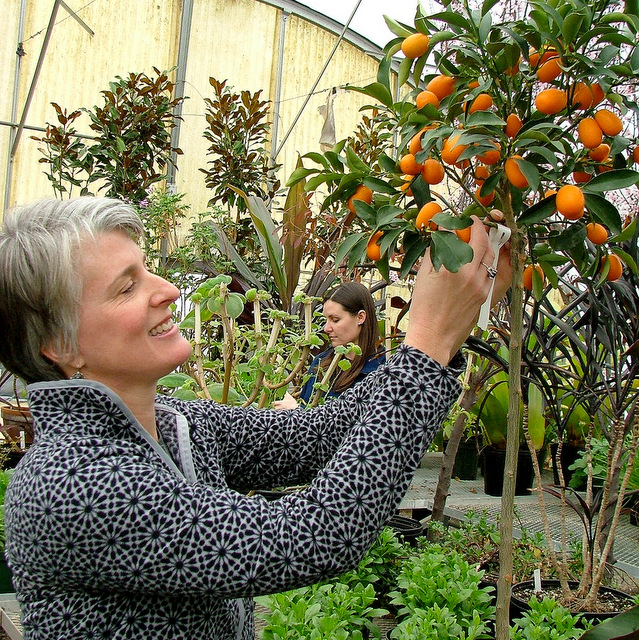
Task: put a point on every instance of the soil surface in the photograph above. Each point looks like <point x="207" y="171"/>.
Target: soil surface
<point x="607" y="601"/>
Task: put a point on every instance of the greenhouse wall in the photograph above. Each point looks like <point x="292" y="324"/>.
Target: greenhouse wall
<point x="249" y="43"/>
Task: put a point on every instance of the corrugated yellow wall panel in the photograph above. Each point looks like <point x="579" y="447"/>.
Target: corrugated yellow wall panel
<point x="129" y="37"/>
<point x="308" y="47"/>
<point x="233" y="40"/>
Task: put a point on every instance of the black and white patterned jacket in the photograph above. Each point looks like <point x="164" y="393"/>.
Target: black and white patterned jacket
<point x="109" y="537"/>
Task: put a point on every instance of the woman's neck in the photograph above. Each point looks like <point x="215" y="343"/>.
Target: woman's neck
<point x="141" y="402"/>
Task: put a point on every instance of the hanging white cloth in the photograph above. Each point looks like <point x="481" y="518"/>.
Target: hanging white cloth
<point x="328" y="137"/>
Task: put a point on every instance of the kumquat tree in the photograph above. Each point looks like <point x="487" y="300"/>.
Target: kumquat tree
<point x="534" y="115"/>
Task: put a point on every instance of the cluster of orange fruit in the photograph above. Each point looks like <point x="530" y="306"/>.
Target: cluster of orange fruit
<point x="570" y="200"/>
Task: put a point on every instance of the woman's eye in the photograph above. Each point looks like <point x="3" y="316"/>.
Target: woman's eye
<point x="129" y="287"/>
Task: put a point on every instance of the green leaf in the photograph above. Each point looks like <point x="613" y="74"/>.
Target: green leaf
<point x="375" y="184"/>
<point x="335" y="160"/>
<point x="375" y="90"/>
<point x="397" y="28"/>
<point x="604" y="211"/>
<point x="488" y="5"/>
<point x="530" y="172"/>
<point x="612" y="180"/>
<point x="388" y="214"/>
<point x="448" y="221"/>
<point x="348" y="245"/>
<point x="627" y="258"/>
<point x="538" y="212"/>
<point x="315" y="182"/>
<point x="216" y="391"/>
<point x="627" y="232"/>
<point x="298" y="175"/>
<point x="449" y="251"/>
<point x="229" y="250"/>
<point x="456" y="19"/>
<point x="443" y="36"/>
<point x="354" y="162"/>
<point x="175" y="380"/>
<point x="387" y="164"/>
<point x="484" y="119"/>
<point x="235" y="305"/>
<point x="403" y="72"/>
<point x="269" y="240"/>
<point x="623" y="626"/>
<point x="571" y="26"/>
<point x="485" y="26"/>
<point x="384" y="72"/>
<point x="365" y="212"/>
<point x="317" y="157"/>
<point x="414" y="248"/>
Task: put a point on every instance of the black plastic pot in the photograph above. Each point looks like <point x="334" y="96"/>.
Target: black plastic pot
<point x="518" y="606"/>
<point x="406" y="528"/>
<point x="466" y="461"/>
<point x="494" y="462"/>
<point x="6" y="585"/>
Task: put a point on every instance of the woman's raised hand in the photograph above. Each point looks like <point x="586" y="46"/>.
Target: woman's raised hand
<point x="445" y="306"/>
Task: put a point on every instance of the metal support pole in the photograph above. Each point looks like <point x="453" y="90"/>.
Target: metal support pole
<point x="36" y="74"/>
<point x="319" y="77"/>
<point x="278" y="85"/>
<point x="14" y="106"/>
<point x="180" y="80"/>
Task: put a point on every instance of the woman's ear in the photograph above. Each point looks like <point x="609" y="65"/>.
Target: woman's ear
<point x="361" y="317"/>
<point x="61" y="357"/>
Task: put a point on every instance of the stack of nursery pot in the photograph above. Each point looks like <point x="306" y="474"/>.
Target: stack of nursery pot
<point x="16" y="424"/>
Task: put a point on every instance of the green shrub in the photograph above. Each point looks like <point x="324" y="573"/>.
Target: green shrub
<point x="439" y="577"/>
<point x="548" y="620"/>
<point x="438" y="623"/>
<point x="337" y="611"/>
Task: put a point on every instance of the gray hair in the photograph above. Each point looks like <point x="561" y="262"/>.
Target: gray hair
<point x="40" y="279"/>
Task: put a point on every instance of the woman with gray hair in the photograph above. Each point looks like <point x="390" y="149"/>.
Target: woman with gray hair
<point x="126" y="518"/>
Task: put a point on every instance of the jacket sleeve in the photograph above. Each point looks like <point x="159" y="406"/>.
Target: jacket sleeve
<point x="268" y="448"/>
<point x="119" y="520"/>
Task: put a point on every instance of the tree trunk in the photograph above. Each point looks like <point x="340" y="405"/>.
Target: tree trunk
<point x="504" y="584"/>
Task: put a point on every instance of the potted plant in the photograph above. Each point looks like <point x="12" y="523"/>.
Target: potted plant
<point x="601" y="325"/>
<point x="492" y="413"/>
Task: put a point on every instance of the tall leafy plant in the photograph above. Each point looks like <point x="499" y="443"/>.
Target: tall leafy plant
<point x="131" y="148"/>
<point x="237" y="132"/>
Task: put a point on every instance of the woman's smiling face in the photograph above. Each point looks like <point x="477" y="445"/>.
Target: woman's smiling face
<point x="126" y="332"/>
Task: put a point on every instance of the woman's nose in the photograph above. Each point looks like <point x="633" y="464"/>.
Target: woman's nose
<point x="165" y="293"/>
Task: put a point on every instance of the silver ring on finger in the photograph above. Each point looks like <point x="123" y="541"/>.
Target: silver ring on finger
<point x="492" y="272"/>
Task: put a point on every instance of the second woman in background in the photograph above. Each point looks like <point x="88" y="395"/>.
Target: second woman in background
<point x="349" y="311"/>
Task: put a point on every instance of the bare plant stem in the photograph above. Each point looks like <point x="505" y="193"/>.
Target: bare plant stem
<point x="466" y="400"/>
<point x="560" y="567"/>
<point x="504" y="583"/>
<point x="198" y="351"/>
